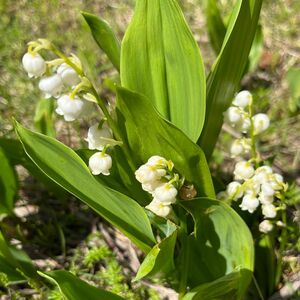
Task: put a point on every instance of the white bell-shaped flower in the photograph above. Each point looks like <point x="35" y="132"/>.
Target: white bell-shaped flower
<point x="240" y="147"/>
<point x="249" y="203"/>
<point x="34" y="64"/>
<point x="242" y="99"/>
<point x="234" y="190"/>
<point x="51" y="85"/>
<point x="260" y="123"/>
<point x="157" y="161"/>
<point x="159" y="208"/>
<point x="267" y="189"/>
<point x="68" y="75"/>
<point x="71" y="109"/>
<point x="276" y="181"/>
<point x="166" y="193"/>
<point x="244" y="125"/>
<point x="147" y="173"/>
<point x="97" y="137"/>
<point x="151" y="186"/>
<point x="265" y="226"/>
<point x="100" y="163"/>
<point x="268" y="210"/>
<point x="233" y="115"/>
<point x="243" y="170"/>
<point x="265" y="199"/>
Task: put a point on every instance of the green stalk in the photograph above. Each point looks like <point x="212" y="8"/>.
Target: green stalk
<point x="184" y="254"/>
<point x="283" y="241"/>
<point x="252" y="136"/>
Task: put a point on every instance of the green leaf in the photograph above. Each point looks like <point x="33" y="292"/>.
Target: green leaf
<point x="15" y="259"/>
<point x="104" y="37"/>
<point x="43" y="119"/>
<point x="73" y="288"/>
<point x="16" y="155"/>
<point x="11" y="274"/>
<point x="226" y="74"/>
<point x="256" y="49"/>
<point x="215" y="25"/>
<point x="224" y="288"/>
<point x="8" y="185"/>
<point x="161" y="59"/>
<point x="67" y="169"/>
<point x="147" y="134"/>
<point x="221" y="243"/>
<point x="160" y="260"/>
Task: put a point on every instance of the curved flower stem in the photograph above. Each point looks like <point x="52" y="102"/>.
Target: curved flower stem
<point x="255" y="156"/>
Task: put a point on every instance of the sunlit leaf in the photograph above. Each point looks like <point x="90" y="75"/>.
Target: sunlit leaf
<point x="223" y="81"/>
<point x="104" y="37"/>
<point x="161" y="59"/>
<point x="73" y="288"/>
<point x="67" y="169"/>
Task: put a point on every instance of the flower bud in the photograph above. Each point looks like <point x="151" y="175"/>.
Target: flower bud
<point x="243" y="170"/>
<point x="51" y="85"/>
<point x="166" y="193"/>
<point x="100" y="163"/>
<point x="249" y="203"/>
<point x="70" y="108"/>
<point x="268" y="210"/>
<point x="234" y="190"/>
<point x="157" y="161"/>
<point x="159" y="208"/>
<point x="242" y="99"/>
<point x="97" y="137"/>
<point x="233" y="115"/>
<point x="33" y="64"/>
<point x="68" y="75"/>
<point x="265" y="226"/>
<point x="260" y="123"/>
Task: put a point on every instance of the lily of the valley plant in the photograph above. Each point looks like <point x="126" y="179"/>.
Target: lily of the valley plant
<point x="145" y="166"/>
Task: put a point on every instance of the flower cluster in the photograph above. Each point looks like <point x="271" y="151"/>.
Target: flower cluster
<point x="63" y="79"/>
<point x="239" y="116"/>
<point x="158" y="178"/>
<point x="256" y="185"/>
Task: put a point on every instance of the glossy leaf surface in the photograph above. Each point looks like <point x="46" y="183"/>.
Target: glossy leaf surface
<point x="221" y="243"/>
<point x="148" y="134"/>
<point x="161" y="59"/>
<point x="66" y="168"/>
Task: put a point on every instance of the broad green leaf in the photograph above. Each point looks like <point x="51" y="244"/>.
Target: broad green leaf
<point x="215" y="25"/>
<point x="16" y="155"/>
<point x="8" y="185"/>
<point x="161" y="60"/>
<point x="73" y="288"/>
<point x="160" y="259"/>
<point x="221" y="243"/>
<point x="43" y="119"/>
<point x="256" y="49"/>
<point x="293" y="79"/>
<point x="12" y="276"/>
<point x="224" y="288"/>
<point x="15" y="259"/>
<point x="67" y="169"/>
<point x="149" y="134"/>
<point x="104" y="37"/>
<point x="226" y="74"/>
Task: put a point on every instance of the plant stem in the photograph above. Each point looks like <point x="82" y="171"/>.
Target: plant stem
<point x="283" y="241"/>
<point x="184" y="254"/>
<point x="252" y="136"/>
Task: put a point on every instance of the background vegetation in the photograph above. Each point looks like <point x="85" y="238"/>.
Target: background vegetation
<point x="92" y="249"/>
